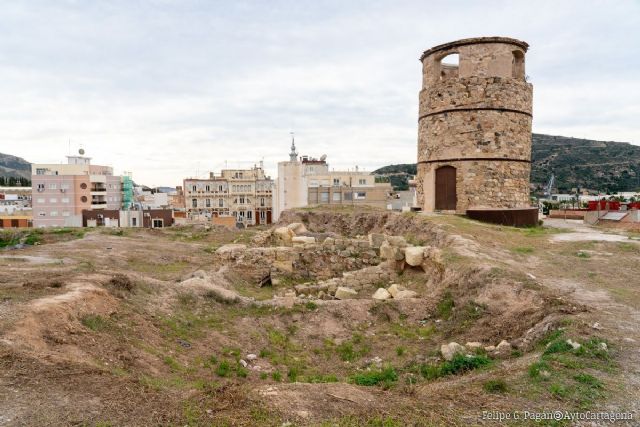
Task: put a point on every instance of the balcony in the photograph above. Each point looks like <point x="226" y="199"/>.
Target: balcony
<point x="98" y="187"/>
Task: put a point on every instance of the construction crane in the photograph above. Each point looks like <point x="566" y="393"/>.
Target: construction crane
<point x="549" y="188"/>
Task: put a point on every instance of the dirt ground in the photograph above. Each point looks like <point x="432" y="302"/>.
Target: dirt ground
<point x="146" y="327"/>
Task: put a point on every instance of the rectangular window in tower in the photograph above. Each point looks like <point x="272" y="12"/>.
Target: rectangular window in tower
<point x="336" y="181"/>
<point x="207" y="203"/>
<point x="336" y="197"/>
<point x="220" y="203"/>
<point x="194" y="203"/>
<point x="324" y="197"/>
<point x="207" y="188"/>
<point x="362" y="181"/>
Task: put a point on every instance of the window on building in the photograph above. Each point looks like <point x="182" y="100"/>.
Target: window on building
<point x="53" y="186"/>
<point x="336" y="181"/>
<point x="220" y="203"/>
<point x="66" y="213"/>
<point x="64" y="186"/>
<point x="42" y="213"/>
<point x="362" y="181"/>
<point x="219" y="187"/>
<point x="134" y="222"/>
<point x="83" y="185"/>
<point x="348" y="196"/>
<point x="207" y="203"/>
<point x="360" y="195"/>
<point x="207" y="188"/>
<point x="65" y="200"/>
<point x="83" y="199"/>
<point x="53" y="213"/>
<point x="336" y="197"/>
<point x="263" y="216"/>
<point x="40" y="171"/>
<point x="194" y="203"/>
<point x="53" y="200"/>
<point x="262" y="201"/>
<point x="40" y="187"/>
<point x="241" y="214"/>
<point x="250" y="215"/>
<point x="40" y="200"/>
<point x="242" y="200"/>
<point x="157" y="223"/>
<point x="324" y="197"/>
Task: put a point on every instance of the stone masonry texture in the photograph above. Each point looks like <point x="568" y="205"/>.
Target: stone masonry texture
<point x="476" y="117"/>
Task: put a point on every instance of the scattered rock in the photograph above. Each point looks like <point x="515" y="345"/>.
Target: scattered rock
<point x="414" y="255"/>
<point x="405" y="294"/>
<point x="297" y="227"/>
<point x="391" y="253"/>
<point x="627" y="339"/>
<point x="243" y="363"/>
<point x="345" y="293"/>
<point x="603" y="346"/>
<point x="397" y="241"/>
<point x="503" y="349"/>
<point x="381" y="294"/>
<point x="394" y="289"/>
<point x="251" y="357"/>
<point x="183" y="343"/>
<point x="573" y="344"/>
<point x="284" y="234"/>
<point x="450" y="350"/>
<point x="597" y="326"/>
<point x="302" y="240"/>
<point x="376" y="240"/>
<point x="473" y="345"/>
<point x="490" y="348"/>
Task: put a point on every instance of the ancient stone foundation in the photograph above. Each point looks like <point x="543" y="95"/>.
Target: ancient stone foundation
<point x="474" y="131"/>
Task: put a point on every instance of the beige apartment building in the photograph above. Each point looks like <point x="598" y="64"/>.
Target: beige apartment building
<point x="304" y="181"/>
<point x="60" y="192"/>
<point x="244" y="194"/>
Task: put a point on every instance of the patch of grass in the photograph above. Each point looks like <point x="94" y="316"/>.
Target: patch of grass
<point x="495" y="386"/>
<point x="353" y="349"/>
<point x="458" y="365"/>
<point x="186" y="299"/>
<point x="31" y="239"/>
<point x="172" y="363"/>
<point x="276" y="376"/>
<point x="536" y="368"/>
<point x="550" y="336"/>
<point x="400" y="351"/>
<point x="583" y="254"/>
<point x="386" y="376"/>
<point x="223" y="369"/>
<point x="588" y="380"/>
<point x="211" y="249"/>
<point x="523" y="250"/>
<point x="445" y="306"/>
<point x="311" y="306"/>
<point x="95" y="322"/>
<point x="559" y="391"/>
<point x="330" y="378"/>
<point x="557" y="346"/>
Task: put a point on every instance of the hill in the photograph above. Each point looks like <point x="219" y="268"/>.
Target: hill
<point x="14" y="170"/>
<point x="606" y="166"/>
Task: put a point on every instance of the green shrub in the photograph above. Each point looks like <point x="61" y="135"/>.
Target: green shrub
<point x="95" y="322"/>
<point x="223" y="369"/>
<point x="400" y="351"/>
<point x="558" y="346"/>
<point x="461" y="363"/>
<point x="31" y="239"/>
<point x="276" y="376"/>
<point x="537" y="367"/>
<point x="445" y="306"/>
<point x="386" y="376"/>
<point x="346" y="352"/>
<point x="589" y="380"/>
<point x="321" y="379"/>
<point x="310" y="305"/>
<point x="558" y="390"/>
<point x="495" y="386"/>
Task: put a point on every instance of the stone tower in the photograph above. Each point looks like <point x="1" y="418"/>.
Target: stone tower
<point x="474" y="127"/>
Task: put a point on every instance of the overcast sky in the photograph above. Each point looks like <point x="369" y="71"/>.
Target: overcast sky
<point x="171" y="89"/>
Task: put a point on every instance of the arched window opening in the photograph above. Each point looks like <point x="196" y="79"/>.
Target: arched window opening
<point x="448" y="66"/>
<point x="517" y="69"/>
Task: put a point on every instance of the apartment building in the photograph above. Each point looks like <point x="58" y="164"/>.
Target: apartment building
<point x="244" y="194"/>
<point x="304" y="181"/>
<point x="60" y="192"/>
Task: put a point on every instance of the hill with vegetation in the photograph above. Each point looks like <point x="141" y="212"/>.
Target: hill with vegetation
<point x="14" y="171"/>
<point x="605" y="166"/>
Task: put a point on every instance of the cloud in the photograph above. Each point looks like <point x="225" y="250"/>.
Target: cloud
<point x="173" y="89"/>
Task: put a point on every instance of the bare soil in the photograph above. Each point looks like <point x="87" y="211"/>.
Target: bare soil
<point x="142" y="327"/>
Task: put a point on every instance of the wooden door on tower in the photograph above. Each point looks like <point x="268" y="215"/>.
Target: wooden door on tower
<point x="446" y="197"/>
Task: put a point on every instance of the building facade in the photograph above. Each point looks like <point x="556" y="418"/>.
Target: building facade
<point x="244" y="194"/>
<point x="474" y="131"/>
<point x="304" y="181"/>
<point x="60" y="192"/>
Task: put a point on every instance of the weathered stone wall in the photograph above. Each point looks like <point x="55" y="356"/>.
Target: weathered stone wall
<point x="482" y="111"/>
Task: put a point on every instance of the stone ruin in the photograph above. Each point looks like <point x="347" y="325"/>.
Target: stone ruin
<point x="328" y="266"/>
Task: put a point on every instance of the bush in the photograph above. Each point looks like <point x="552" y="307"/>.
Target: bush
<point x="445" y="306"/>
<point x="95" y="322"/>
<point x="386" y="376"/>
<point x="558" y="346"/>
<point x="589" y="380"/>
<point x="495" y="386"/>
<point x="121" y="282"/>
<point x="458" y="365"/>
<point x="223" y="369"/>
<point x="536" y="368"/>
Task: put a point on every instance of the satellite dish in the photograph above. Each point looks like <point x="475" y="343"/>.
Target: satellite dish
<point x="323" y="157"/>
<point x="81" y="151"/>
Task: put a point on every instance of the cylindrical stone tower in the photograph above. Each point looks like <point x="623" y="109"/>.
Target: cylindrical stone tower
<point x="474" y="128"/>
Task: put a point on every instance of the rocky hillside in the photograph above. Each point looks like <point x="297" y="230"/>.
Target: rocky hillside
<point x="576" y="163"/>
<point x="14" y="170"/>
